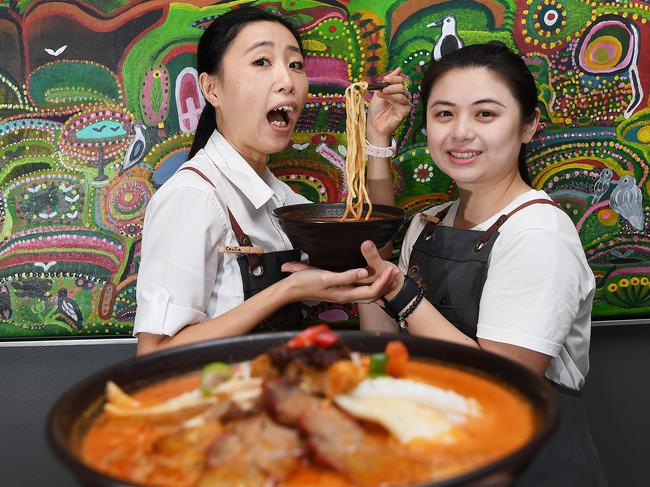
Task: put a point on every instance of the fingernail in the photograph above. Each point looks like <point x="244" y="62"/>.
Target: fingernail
<point x="362" y="273"/>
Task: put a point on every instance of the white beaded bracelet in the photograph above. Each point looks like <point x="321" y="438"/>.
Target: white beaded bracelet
<point x="373" y="150"/>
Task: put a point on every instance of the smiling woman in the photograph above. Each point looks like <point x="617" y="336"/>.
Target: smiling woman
<point x="471" y="268"/>
<point x="212" y="254"/>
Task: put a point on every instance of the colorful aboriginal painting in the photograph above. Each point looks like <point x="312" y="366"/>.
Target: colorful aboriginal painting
<point x="99" y="99"/>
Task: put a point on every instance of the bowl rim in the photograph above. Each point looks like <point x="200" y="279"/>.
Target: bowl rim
<point x="394" y="213"/>
<point x="510" y="463"/>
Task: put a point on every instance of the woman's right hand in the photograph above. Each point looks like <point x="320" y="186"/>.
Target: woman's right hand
<point x="377" y="266"/>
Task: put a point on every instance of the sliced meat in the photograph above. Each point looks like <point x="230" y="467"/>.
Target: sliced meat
<point x="311" y="355"/>
<point x="364" y="459"/>
<point x="318" y="417"/>
<point x="337" y="440"/>
<point x="332" y="435"/>
<point x="252" y="452"/>
<point x="287" y="403"/>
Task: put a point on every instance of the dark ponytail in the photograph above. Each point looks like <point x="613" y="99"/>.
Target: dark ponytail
<point x="522" y="166"/>
<point x="213" y="45"/>
<point x="496" y="57"/>
<point x="207" y="124"/>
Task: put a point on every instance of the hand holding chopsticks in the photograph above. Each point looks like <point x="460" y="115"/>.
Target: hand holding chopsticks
<point x="390" y="104"/>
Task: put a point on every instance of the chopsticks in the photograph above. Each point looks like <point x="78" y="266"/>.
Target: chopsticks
<point x="377" y="86"/>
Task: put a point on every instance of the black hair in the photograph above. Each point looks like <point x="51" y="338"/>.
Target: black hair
<point x="496" y="57"/>
<point x="214" y="44"/>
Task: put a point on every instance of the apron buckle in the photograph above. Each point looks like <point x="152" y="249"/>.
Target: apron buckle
<point x="255" y="266"/>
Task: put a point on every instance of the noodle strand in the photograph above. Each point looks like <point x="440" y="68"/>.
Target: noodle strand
<point x="355" y="160"/>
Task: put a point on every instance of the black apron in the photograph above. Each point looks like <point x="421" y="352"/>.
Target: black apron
<point x="259" y="271"/>
<point x="452" y="265"/>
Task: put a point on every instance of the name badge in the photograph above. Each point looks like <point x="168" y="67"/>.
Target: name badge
<point x="234" y="249"/>
<point x="430" y="218"/>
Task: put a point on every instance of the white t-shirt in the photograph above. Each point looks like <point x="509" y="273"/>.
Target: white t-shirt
<point x="539" y="288"/>
<point x="183" y="279"/>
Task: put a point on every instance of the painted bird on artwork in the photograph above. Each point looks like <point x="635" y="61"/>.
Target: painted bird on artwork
<point x="136" y="150"/>
<point x="627" y="201"/>
<point x="602" y="185"/>
<point x="449" y="39"/>
<point x="69" y="309"/>
<point x="5" y="303"/>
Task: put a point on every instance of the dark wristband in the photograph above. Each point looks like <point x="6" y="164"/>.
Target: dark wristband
<point x="405" y="295"/>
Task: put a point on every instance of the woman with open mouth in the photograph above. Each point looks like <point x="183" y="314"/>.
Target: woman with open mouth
<point x="211" y="251"/>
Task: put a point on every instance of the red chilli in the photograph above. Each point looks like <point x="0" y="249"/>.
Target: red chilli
<point x="317" y="335"/>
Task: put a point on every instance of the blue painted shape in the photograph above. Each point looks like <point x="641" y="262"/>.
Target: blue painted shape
<point x="169" y="167"/>
<point x="101" y="129"/>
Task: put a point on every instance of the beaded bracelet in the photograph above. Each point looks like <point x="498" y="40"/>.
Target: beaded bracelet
<point x="401" y="318"/>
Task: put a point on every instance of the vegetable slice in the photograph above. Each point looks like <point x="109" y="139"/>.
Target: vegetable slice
<point x="212" y="375"/>
<point x="398" y="358"/>
<point x="378" y="364"/>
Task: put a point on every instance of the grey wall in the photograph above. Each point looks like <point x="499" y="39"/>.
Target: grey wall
<point x="617" y="396"/>
<point x="32" y="379"/>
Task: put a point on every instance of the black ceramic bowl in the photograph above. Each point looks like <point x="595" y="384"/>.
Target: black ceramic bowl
<point x="334" y="244"/>
<point x="74" y="412"/>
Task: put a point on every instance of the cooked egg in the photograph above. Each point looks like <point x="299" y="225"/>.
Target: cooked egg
<point x="409" y="409"/>
<point x="403" y="419"/>
<point x="456" y="407"/>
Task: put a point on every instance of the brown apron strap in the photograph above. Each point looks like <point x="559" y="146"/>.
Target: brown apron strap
<point x="243" y="239"/>
<point x="502" y="219"/>
<point x="200" y="173"/>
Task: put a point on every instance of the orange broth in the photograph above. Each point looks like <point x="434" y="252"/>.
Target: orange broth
<point x="115" y="445"/>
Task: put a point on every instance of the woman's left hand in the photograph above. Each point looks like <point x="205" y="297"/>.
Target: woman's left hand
<point x="388" y="107"/>
<point x="355" y="285"/>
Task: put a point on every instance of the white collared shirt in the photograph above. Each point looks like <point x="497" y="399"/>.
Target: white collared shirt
<point x="182" y="278"/>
